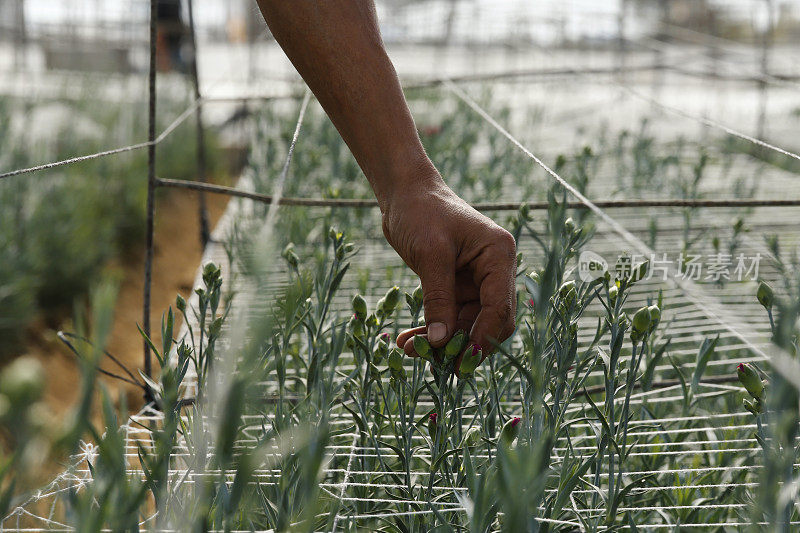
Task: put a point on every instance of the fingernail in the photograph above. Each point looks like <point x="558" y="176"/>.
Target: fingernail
<point x="437" y="332"/>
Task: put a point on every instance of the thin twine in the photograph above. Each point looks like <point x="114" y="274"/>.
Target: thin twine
<point x="787" y="366"/>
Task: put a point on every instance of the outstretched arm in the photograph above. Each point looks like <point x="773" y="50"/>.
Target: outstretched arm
<point x="466" y="262"/>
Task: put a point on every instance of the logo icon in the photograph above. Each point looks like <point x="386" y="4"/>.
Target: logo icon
<point x="591" y="266"/>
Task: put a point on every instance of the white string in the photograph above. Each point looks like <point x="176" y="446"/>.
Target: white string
<point x="781" y="360"/>
<point x="346" y="479"/>
<point x="706" y="121"/>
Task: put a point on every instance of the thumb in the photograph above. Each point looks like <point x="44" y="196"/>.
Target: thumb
<point x="439" y="299"/>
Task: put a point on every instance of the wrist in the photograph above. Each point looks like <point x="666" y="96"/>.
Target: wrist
<point x="410" y="172"/>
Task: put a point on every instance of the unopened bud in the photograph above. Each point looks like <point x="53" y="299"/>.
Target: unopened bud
<point x="655" y="317"/>
<point x="455" y="345"/>
<point x="180" y="303"/>
<point x="360" y="306"/>
<point x="380" y="307"/>
<point x="423" y="347"/>
<point x="211" y="273"/>
<point x="470" y="361"/>
<point x="290" y="256"/>
<point x="765" y="295"/>
<point x="391" y="300"/>
<point x="433" y="424"/>
<point x="749" y="378"/>
<point x="613" y="292"/>
<point x="510" y="431"/>
<point x="639" y="271"/>
<point x="569" y="226"/>
<point x="641" y="320"/>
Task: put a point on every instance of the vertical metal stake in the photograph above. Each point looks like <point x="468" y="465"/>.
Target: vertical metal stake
<point x="151" y="189"/>
<point x="201" y="145"/>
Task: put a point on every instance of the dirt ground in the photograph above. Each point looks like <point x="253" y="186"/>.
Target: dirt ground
<point x="177" y="256"/>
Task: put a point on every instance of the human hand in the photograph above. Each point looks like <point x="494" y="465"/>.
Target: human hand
<point x="466" y="264"/>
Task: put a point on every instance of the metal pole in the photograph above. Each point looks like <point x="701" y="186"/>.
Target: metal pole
<point x="151" y="190"/>
<point x="201" y="145"/>
<point x="622" y="48"/>
<point x="766" y="44"/>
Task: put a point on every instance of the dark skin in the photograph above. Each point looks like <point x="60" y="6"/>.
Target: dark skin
<point x="466" y="263"/>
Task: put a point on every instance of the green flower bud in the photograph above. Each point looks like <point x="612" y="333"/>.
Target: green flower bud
<point x="655" y="317"/>
<point x="765" y="295"/>
<point x="360" y="306"/>
<point x="749" y="378"/>
<point x="391" y="300"/>
<point x="510" y="431"/>
<point x="380" y="307"/>
<point x="455" y="345"/>
<point x="566" y="288"/>
<point x="290" y="256"/>
<point x="569" y="226"/>
<point x="180" y="303"/>
<point x="470" y="361"/>
<point x="639" y="271"/>
<point x="535" y="277"/>
<point x="433" y="425"/>
<point x="613" y="292"/>
<point x="568" y="294"/>
<point x="423" y="347"/>
<point x="641" y="320"/>
<point x="211" y="273"/>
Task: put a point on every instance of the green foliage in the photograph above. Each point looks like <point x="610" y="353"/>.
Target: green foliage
<point x="59" y="228"/>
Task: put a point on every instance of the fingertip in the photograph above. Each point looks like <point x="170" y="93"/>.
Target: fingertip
<point x="438" y="334"/>
<point x="408" y="348"/>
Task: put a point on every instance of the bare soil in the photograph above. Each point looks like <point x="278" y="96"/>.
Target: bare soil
<point x="177" y="255"/>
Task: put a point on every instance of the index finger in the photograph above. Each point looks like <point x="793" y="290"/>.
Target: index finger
<point x="495" y="272"/>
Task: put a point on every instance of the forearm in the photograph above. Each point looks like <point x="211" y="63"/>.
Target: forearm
<point x="336" y="46"/>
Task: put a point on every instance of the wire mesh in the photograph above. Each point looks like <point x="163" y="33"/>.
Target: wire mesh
<point x="721" y="442"/>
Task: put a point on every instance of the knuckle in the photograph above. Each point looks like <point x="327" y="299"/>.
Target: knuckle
<point x="436" y="297"/>
<point x="505" y="241"/>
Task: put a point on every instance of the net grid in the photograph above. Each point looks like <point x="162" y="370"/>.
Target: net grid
<point x="78" y="477"/>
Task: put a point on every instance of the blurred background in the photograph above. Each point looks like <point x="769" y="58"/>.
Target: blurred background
<point x="73" y="81"/>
